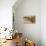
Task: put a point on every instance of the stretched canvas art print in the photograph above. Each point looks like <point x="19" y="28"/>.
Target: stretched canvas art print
<point x="29" y="19"/>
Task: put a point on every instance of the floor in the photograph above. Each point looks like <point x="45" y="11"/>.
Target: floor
<point x="9" y="43"/>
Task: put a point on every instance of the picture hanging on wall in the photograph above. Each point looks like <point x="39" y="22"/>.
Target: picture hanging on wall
<point x="29" y="19"/>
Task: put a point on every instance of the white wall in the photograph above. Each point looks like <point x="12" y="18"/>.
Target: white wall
<point x="6" y="13"/>
<point x="43" y="22"/>
<point x="28" y="8"/>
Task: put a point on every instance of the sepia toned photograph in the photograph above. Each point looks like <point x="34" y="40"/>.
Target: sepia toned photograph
<point x="29" y="19"/>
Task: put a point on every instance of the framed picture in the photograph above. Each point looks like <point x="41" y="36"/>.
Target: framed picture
<point x="29" y="19"/>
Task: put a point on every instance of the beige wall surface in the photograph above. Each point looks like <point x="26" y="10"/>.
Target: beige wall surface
<point x="35" y="31"/>
<point x="29" y="8"/>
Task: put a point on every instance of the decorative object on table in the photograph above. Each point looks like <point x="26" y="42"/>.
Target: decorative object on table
<point x="18" y="39"/>
<point x="29" y="19"/>
<point x="2" y="36"/>
<point x="5" y="33"/>
<point x="29" y="43"/>
<point x="9" y="34"/>
<point x="16" y="31"/>
<point x="2" y="32"/>
<point x="5" y="29"/>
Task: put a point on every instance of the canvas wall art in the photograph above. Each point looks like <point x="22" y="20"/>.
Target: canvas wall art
<point x="29" y="19"/>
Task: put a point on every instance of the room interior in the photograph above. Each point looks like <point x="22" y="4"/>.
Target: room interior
<point x="22" y="23"/>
